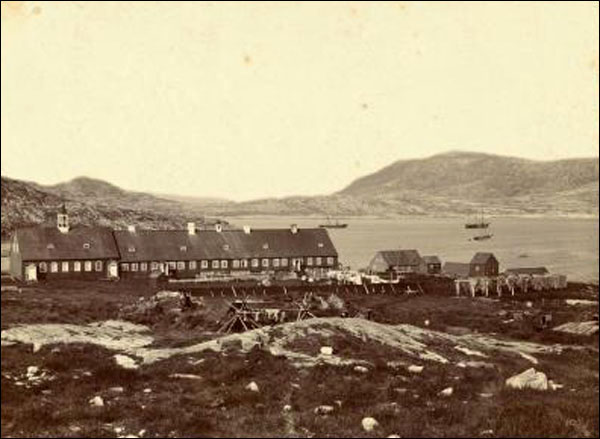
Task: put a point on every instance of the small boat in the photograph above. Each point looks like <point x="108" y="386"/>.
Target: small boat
<point x="482" y="237"/>
<point x="481" y="224"/>
<point x="333" y="225"/>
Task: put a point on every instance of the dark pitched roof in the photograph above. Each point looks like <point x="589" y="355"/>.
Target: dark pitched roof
<point x="179" y="245"/>
<point x="528" y="270"/>
<point x="482" y="258"/>
<point x="456" y="268"/>
<point x="431" y="260"/>
<point x="401" y="257"/>
<point x="80" y="243"/>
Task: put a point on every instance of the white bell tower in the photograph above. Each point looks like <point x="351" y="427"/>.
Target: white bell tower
<point x="62" y="220"/>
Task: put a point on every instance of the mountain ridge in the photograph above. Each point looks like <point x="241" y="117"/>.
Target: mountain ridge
<point x="451" y="183"/>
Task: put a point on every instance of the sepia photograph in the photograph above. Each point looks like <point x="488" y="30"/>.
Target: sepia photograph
<point x="328" y="219"/>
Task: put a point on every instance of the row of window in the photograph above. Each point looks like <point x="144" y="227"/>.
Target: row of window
<point x="66" y="266"/>
<point x="225" y="264"/>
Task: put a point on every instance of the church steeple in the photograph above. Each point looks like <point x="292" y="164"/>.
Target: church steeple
<point x="62" y="220"/>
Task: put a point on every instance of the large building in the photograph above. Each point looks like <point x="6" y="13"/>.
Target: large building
<point x="195" y="253"/>
<point x="96" y="252"/>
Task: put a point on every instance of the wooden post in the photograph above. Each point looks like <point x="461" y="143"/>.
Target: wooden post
<point x="457" y="285"/>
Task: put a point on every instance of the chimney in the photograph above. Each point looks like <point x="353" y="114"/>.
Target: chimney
<point x="294" y="228"/>
<point x="62" y="220"/>
<point x="218" y="227"/>
<point x="131" y="228"/>
<point x="247" y="230"/>
<point x="191" y="227"/>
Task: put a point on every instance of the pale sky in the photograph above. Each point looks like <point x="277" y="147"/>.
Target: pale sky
<point x="243" y="100"/>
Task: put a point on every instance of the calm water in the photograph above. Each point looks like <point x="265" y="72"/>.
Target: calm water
<point x="566" y="246"/>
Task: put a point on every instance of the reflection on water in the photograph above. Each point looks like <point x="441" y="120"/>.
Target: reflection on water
<point x="568" y="246"/>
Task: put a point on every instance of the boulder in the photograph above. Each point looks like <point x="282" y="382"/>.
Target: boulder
<point x="369" y="424"/>
<point x="415" y="369"/>
<point x="530" y="379"/>
<point x="96" y="401"/>
<point x="324" y="410"/>
<point x="32" y="370"/>
<point x="125" y="362"/>
<point x="361" y="369"/>
<point x="448" y="391"/>
<point x="253" y="387"/>
<point x="287" y="408"/>
<point x="326" y="350"/>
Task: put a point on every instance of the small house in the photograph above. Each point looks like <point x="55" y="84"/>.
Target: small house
<point x="397" y="262"/>
<point x="433" y="265"/>
<point x="484" y="264"/>
<point x="458" y="270"/>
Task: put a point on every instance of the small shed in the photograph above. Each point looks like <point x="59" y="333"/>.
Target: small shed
<point x="433" y="264"/>
<point x="396" y="261"/>
<point x="459" y="270"/>
<point x="484" y="264"/>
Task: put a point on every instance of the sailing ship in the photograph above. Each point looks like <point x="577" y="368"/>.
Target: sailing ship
<point x="333" y="225"/>
<point x="481" y="224"/>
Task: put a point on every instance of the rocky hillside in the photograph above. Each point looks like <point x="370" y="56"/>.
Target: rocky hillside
<point x="89" y="202"/>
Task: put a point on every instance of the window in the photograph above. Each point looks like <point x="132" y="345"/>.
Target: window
<point x="244" y="263"/>
<point x="87" y="265"/>
<point x="193" y="265"/>
<point x="65" y="267"/>
<point x="99" y="265"/>
<point x="134" y="266"/>
<point x="225" y="247"/>
<point x="54" y="267"/>
<point x="172" y="265"/>
<point x="183" y="248"/>
<point x="203" y="264"/>
<point x="50" y="246"/>
<point x="265" y="263"/>
<point x="235" y="263"/>
<point x="154" y="266"/>
<point x="131" y="249"/>
<point x="224" y="263"/>
<point x="255" y="263"/>
<point x="320" y="245"/>
<point x="215" y="264"/>
<point x="144" y="266"/>
<point x="43" y="267"/>
<point x="181" y="265"/>
<point x="76" y="266"/>
<point x="476" y="267"/>
<point x="309" y="262"/>
<point x="86" y="245"/>
<point x="275" y="262"/>
<point x="125" y="267"/>
<point x="319" y="261"/>
<point x="284" y="262"/>
<point x="266" y="246"/>
<point x="330" y="260"/>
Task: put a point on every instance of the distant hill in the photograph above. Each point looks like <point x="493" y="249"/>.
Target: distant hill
<point x="90" y="201"/>
<point x="476" y="177"/>
<point x="454" y="183"/>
